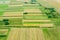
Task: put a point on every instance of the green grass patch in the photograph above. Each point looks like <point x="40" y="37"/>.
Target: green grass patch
<point x="1" y="13"/>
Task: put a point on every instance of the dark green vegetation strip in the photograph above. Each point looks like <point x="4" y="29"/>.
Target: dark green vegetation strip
<point x="37" y="22"/>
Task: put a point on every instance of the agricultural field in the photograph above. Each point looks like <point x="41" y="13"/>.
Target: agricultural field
<point x="29" y="21"/>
